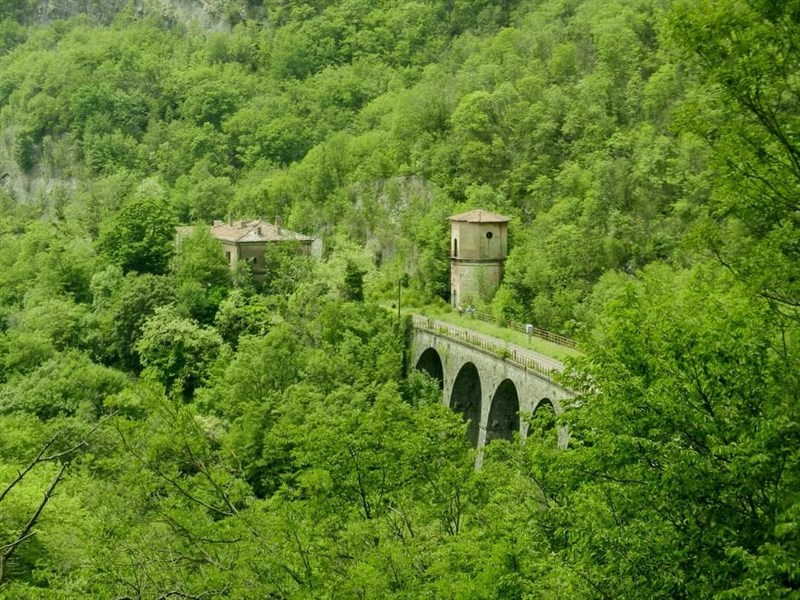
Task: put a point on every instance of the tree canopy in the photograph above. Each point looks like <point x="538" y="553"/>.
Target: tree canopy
<point x="170" y="428"/>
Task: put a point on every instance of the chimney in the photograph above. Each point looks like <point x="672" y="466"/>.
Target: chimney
<point x="278" y="223"/>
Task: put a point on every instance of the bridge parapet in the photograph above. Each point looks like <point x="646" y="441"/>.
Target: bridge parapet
<point x="502" y="351"/>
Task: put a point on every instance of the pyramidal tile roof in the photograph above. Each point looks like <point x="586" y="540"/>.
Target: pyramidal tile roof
<point x="479" y="215"/>
<point x="255" y="231"/>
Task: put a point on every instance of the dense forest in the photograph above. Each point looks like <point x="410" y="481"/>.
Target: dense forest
<point x="171" y="430"/>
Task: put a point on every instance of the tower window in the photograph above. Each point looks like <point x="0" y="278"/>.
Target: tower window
<point x="455" y="246"/>
<point x="488" y="235"/>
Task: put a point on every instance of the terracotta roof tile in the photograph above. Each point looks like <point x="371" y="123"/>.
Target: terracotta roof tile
<point x="480" y="216"/>
<point x="255" y="231"/>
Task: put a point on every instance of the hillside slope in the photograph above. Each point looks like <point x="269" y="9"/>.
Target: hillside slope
<point x="171" y="428"/>
<point x="556" y="113"/>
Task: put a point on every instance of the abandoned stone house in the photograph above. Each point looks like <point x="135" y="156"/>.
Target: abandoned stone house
<point x="248" y="239"/>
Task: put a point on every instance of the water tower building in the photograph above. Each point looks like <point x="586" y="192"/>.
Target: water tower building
<point x="478" y="249"/>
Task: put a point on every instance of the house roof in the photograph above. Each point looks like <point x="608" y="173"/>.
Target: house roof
<point x="479" y="215"/>
<point x="255" y="231"/>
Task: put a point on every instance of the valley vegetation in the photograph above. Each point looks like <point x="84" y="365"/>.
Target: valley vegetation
<point x="171" y="430"/>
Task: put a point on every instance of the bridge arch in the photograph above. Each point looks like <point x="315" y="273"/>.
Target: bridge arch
<point x="503" y="412"/>
<point x="475" y="394"/>
<point x="431" y="363"/>
<point x="465" y="399"/>
<point x="543" y="421"/>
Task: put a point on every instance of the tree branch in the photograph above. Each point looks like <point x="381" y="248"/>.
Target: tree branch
<point x="26" y="531"/>
<point x="26" y="470"/>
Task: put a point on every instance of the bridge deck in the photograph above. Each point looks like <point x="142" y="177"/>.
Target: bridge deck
<point x="528" y="359"/>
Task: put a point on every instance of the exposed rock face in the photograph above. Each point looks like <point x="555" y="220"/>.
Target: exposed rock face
<point x="45" y="180"/>
<point x="208" y="14"/>
<point x="53" y="175"/>
<point x="97" y="10"/>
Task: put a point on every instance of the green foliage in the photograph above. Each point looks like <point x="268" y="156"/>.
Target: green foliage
<point x="263" y="365"/>
<point x="25" y="150"/>
<point x="202" y="275"/>
<point x="177" y="352"/>
<point x="241" y="314"/>
<point x="141" y="235"/>
<point x="689" y="426"/>
<point x="43" y="260"/>
<point x="60" y="321"/>
<point x="14" y="9"/>
<point x="11" y="34"/>
<point x="746" y="56"/>
<point x="64" y="385"/>
<point x="286" y="268"/>
<point x="353" y="283"/>
<point x="21" y="353"/>
<point x="283" y="453"/>
<point x="121" y="311"/>
<point x="200" y="196"/>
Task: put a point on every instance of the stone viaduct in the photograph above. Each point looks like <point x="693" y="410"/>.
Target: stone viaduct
<point x="489" y="382"/>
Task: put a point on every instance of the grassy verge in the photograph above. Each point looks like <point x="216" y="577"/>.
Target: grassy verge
<point x="507" y="335"/>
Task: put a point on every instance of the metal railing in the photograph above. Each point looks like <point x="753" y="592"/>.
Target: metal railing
<point x="497" y="349"/>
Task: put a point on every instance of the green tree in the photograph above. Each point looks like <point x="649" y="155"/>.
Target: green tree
<point x="286" y="268"/>
<point x="15" y="9"/>
<point x="746" y="54"/>
<point x="65" y="385"/>
<point x="22" y="352"/>
<point x="353" y="282"/>
<point x="682" y="461"/>
<point x="201" y="197"/>
<point x="121" y="310"/>
<point x="59" y="320"/>
<point x="202" y="274"/>
<point x="242" y="314"/>
<point x="141" y="235"/>
<point x="177" y="352"/>
<point x="23" y="509"/>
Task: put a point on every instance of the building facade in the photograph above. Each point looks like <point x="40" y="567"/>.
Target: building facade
<point x="248" y="240"/>
<point x="478" y="250"/>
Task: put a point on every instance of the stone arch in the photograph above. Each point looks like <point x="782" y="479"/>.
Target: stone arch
<point x="503" y="412"/>
<point x="465" y="399"/>
<point x="431" y="363"/>
<point x="543" y="420"/>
